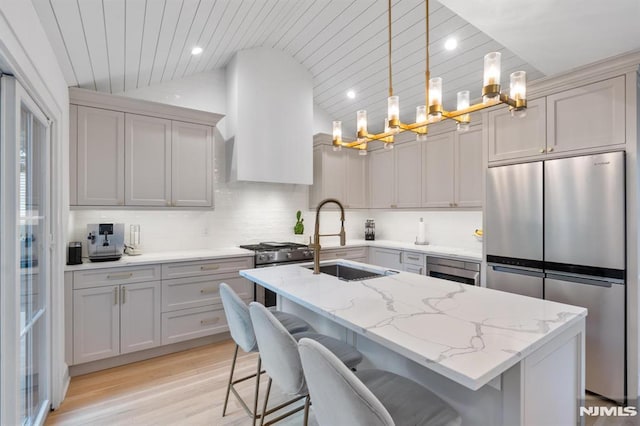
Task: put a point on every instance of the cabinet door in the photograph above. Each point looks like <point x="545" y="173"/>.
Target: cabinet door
<point x="587" y="117"/>
<point x="438" y="183"/>
<point x="139" y="316"/>
<point x="356" y="180"/>
<point x="513" y="137"/>
<point x="408" y="177"/>
<point x="73" y="155"/>
<point x="148" y="161"/>
<point x="96" y="323"/>
<point x="333" y="174"/>
<point x="469" y="168"/>
<point x="381" y="182"/>
<point x="100" y="157"/>
<point x="192" y="165"/>
<point x="386" y="258"/>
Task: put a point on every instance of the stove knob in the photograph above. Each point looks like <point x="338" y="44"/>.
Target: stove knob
<point x="308" y="253"/>
<point x="271" y="257"/>
<point x="288" y="255"/>
<point x="262" y="257"/>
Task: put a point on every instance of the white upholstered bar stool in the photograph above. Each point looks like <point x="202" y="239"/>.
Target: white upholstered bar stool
<point x="368" y="397"/>
<point x="279" y="353"/>
<point x="241" y="329"/>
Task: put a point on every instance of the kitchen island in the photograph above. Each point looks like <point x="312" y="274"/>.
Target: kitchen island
<point x="497" y="358"/>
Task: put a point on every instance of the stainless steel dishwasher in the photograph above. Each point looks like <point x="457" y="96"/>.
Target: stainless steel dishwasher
<point x="454" y="270"/>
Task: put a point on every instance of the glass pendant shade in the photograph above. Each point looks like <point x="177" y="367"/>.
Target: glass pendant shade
<point x="492" y="68"/>
<point x="518" y="85"/>
<point x="361" y="123"/>
<point x="463" y="103"/>
<point x="421" y="117"/>
<point x="393" y="108"/>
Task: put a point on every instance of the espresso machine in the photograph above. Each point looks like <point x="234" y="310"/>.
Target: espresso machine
<point x="106" y="241"/>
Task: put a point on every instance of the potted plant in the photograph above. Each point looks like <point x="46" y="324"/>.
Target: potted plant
<point x="298" y="228"/>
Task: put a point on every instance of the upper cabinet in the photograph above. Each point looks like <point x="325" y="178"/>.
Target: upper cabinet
<point x="511" y="137"/>
<point x="161" y="156"/>
<point x="337" y="174"/>
<point x="584" y="119"/>
<point x="452" y="174"/>
<point x="590" y="116"/>
<point x="100" y="156"/>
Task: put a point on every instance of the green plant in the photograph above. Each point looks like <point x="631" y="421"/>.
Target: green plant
<point x="298" y="229"/>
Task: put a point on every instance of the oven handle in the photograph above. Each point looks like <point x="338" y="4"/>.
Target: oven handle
<point x="463" y="273"/>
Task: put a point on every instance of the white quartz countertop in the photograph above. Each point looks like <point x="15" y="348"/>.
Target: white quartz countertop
<point x="468" y="334"/>
<point x="432" y="250"/>
<point x="163" y="257"/>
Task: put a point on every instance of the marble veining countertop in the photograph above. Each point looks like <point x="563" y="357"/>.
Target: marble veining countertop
<point x="468" y="334"/>
<point x="163" y="257"/>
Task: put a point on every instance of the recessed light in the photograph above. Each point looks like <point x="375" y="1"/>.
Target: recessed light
<point x="451" y="43"/>
<point x="351" y="94"/>
<point x="196" y="50"/>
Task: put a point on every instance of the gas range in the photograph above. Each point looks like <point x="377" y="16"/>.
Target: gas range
<point x="270" y="253"/>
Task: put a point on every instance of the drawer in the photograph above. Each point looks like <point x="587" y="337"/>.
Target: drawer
<point x="115" y="276"/>
<point x="192" y="323"/>
<point x="344" y="253"/>
<point x="410" y="258"/>
<point x="183" y="293"/>
<point x="414" y="269"/>
<point x="205" y="267"/>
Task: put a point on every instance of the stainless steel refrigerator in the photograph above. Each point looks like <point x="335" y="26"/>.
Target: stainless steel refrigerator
<point x="555" y="229"/>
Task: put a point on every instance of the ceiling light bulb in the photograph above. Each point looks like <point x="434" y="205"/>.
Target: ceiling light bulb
<point x="196" y="50"/>
<point x="451" y="43"/>
<point x="351" y="94"/>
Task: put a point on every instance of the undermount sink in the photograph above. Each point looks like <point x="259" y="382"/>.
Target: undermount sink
<point x="348" y="273"/>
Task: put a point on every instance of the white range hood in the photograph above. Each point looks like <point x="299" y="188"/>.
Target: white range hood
<point x="270" y="117"/>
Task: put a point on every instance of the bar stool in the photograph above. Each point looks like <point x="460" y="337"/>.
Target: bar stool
<point x="279" y="353"/>
<point x="239" y="321"/>
<point x="368" y="397"/>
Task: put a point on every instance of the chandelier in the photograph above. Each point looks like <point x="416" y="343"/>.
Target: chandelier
<point x="433" y="111"/>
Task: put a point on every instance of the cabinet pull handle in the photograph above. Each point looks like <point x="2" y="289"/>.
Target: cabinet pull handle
<point x="120" y="276"/>
<point x="393" y="206"/>
<point x="115" y="295"/>
<point x="550" y="149"/>
<point x="343" y="254"/>
<point x="421" y="270"/>
<point x="209" y="321"/>
<point x="123" y="295"/>
<point x="542" y="151"/>
<point x="413" y="258"/>
<point x="207" y="290"/>
<point x="209" y="267"/>
<point x="400" y="257"/>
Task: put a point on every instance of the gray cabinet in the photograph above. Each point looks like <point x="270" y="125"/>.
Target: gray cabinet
<point x="452" y="174"/>
<point x="584" y="119"/>
<point x="147" y="161"/>
<point x="382" y="179"/>
<point x="138" y="153"/>
<point x="399" y="260"/>
<point x="338" y="174"/>
<point x="100" y="156"/>
<point x="408" y="174"/>
<point x="110" y="320"/>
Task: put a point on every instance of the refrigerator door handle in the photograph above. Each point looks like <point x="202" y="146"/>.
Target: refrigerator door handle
<point x="583" y="280"/>
<point x="519" y="271"/>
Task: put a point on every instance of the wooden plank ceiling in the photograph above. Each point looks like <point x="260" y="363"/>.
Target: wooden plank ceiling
<point x="120" y="45"/>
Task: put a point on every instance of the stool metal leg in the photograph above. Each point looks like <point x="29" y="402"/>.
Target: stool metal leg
<point x="255" y="397"/>
<point x="306" y="410"/>
<point x="266" y="401"/>
<point x="233" y="367"/>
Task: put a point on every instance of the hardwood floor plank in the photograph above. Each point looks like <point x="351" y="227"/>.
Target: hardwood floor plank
<point x="184" y="388"/>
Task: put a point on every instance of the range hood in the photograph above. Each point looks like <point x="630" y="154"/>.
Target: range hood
<point x="270" y="118"/>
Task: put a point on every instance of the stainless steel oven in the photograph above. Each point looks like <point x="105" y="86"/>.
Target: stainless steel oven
<point x="454" y="270"/>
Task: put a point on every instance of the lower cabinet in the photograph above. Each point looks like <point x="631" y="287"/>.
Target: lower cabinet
<point x="111" y="312"/>
<point x="399" y="260"/>
<point x="358" y="254"/>
<point x="114" y="320"/>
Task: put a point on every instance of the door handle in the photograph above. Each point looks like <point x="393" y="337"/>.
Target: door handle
<point x="115" y="295"/>
<point x="123" y="292"/>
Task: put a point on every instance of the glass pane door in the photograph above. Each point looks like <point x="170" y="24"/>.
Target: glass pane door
<point x="32" y="214"/>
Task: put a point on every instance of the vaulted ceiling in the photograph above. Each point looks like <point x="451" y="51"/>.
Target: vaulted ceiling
<point x="117" y="45"/>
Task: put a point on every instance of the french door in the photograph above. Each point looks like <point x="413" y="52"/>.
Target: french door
<point x="25" y="251"/>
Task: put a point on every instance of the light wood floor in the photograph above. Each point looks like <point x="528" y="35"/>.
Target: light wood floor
<point x="185" y="388"/>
